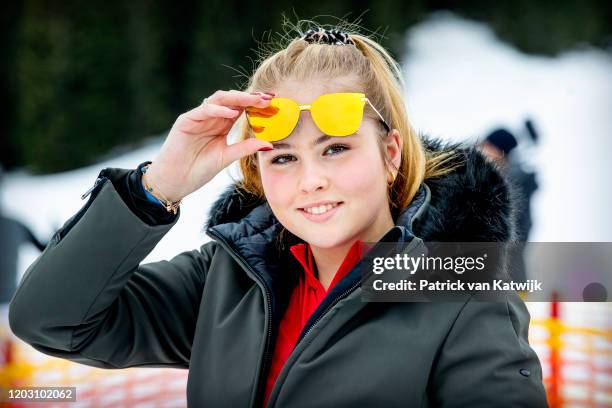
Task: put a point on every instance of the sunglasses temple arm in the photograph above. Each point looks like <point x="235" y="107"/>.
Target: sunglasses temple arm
<point x="379" y="115"/>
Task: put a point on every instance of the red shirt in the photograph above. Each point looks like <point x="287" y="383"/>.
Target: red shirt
<point x="306" y="296"/>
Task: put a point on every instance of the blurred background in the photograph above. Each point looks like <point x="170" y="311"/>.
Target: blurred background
<point x="88" y="87"/>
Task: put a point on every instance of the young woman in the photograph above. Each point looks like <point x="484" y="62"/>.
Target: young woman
<point x="269" y="312"/>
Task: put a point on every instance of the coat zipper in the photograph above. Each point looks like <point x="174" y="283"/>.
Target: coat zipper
<point x="327" y="309"/>
<point x="266" y="290"/>
<point x="321" y="316"/>
<point x="88" y="192"/>
<point x="93" y="191"/>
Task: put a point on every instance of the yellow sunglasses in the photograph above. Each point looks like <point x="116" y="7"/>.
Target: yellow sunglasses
<point x="335" y="114"/>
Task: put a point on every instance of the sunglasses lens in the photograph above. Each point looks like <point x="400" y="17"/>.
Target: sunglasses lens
<point x="338" y="114"/>
<point x="274" y="122"/>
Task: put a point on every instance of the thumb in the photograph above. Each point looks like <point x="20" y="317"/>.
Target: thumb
<point x="243" y="148"/>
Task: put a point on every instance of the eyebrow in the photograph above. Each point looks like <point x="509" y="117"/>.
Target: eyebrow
<point x="285" y="145"/>
<point x="320" y="139"/>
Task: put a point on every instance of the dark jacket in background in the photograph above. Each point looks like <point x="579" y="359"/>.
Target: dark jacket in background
<point x="525" y="185"/>
<point x="215" y="310"/>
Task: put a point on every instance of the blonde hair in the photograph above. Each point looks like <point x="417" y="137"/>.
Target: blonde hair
<point x="372" y="71"/>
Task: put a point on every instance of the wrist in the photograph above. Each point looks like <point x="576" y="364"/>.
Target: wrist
<point x="154" y="193"/>
<point x="150" y="196"/>
<point x="153" y="183"/>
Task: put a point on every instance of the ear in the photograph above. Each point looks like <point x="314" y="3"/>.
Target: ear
<point x="392" y="144"/>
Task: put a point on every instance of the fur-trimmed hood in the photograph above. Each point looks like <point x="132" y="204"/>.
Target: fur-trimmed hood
<point x="470" y="204"/>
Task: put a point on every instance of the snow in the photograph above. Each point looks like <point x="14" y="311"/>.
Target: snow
<point x="462" y="82"/>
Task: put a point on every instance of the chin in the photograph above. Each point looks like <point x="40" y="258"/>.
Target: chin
<point x="324" y="238"/>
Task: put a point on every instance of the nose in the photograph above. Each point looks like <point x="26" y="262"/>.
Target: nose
<point x="313" y="178"/>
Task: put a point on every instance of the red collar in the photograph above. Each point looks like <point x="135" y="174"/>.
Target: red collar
<point x="303" y="254"/>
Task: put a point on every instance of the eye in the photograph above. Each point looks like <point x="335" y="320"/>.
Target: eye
<point x="336" y="148"/>
<point x="282" y="159"/>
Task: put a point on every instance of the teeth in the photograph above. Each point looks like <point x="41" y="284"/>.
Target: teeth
<point x="320" y="209"/>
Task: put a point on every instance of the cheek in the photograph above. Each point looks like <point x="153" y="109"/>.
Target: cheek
<point x="276" y="188"/>
<point x="362" y="176"/>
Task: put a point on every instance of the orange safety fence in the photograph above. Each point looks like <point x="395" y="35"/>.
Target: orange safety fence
<point x="573" y="342"/>
<point x="23" y="366"/>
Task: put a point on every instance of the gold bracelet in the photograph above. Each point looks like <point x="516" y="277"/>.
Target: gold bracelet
<point x="170" y="206"/>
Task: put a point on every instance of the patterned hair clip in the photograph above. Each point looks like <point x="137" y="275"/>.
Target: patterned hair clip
<point x="322" y="36"/>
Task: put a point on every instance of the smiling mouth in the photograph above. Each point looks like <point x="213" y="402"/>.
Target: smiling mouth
<point x="321" y="209"/>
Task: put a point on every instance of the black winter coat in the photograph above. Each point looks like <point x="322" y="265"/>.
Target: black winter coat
<point x="216" y="310"/>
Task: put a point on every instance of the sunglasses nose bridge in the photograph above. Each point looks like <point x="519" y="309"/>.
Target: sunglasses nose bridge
<point x="315" y="119"/>
<point x="304" y="108"/>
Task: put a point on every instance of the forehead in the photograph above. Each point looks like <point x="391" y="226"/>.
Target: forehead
<point x="304" y="92"/>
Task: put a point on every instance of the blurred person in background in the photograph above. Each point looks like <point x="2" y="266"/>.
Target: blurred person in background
<point x="501" y="147"/>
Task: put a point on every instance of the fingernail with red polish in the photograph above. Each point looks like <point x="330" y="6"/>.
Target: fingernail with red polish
<point x="265" y="149"/>
<point x="270" y="93"/>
